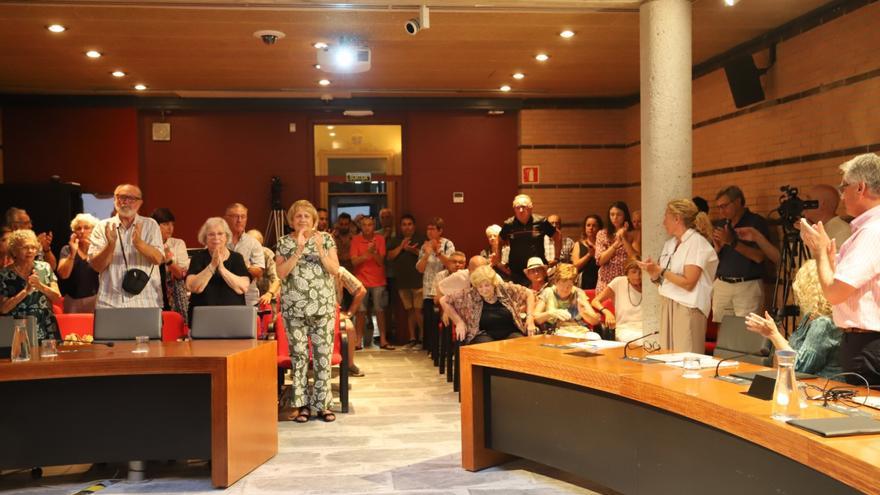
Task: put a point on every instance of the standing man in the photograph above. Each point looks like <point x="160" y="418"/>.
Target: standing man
<point x="342" y="236"/>
<point x="368" y="257"/>
<point x="829" y="200"/>
<point x="850" y="279"/>
<point x="323" y="220"/>
<point x="525" y="234"/>
<point x="738" y="288"/>
<point x="248" y="247"/>
<point x="403" y="254"/>
<point x="387" y="231"/>
<point x="386" y="221"/>
<point x="557" y="253"/>
<point x="122" y="242"/>
<point x="434" y="256"/>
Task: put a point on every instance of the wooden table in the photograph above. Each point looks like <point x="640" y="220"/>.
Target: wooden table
<point x="183" y="400"/>
<point x="642" y="428"/>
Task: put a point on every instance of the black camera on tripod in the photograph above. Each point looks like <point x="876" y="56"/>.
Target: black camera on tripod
<point x="791" y="207"/>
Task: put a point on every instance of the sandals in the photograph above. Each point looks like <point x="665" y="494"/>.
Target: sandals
<point x="303" y="414"/>
<point x="327" y="416"/>
<point x="387" y="347"/>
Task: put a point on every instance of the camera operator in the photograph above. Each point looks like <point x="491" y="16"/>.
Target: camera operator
<point x="829" y="200"/>
<point x="850" y="280"/>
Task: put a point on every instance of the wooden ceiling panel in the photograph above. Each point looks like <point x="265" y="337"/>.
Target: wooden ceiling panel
<point x="209" y="46"/>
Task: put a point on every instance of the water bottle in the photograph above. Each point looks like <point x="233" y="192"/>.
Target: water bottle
<point x="786" y="401"/>
<point x="21" y="342"/>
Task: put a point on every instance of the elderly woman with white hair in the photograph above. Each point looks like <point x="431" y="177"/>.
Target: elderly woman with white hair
<point x="817" y="339"/>
<point x="79" y="281"/>
<point x="27" y="286"/>
<point x="496" y="254"/>
<point x="490" y="309"/>
<point x="216" y="275"/>
<point x="307" y="266"/>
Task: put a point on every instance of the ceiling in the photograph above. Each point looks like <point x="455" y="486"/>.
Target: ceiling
<point x="207" y="48"/>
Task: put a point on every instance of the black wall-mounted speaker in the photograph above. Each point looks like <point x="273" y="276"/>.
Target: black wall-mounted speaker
<point x="744" y="79"/>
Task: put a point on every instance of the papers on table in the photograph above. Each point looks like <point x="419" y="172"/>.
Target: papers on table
<point x="597" y="344"/>
<point x="872" y="401"/>
<point x="677" y="359"/>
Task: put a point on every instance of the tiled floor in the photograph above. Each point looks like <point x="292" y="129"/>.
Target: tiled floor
<point x="402" y="436"/>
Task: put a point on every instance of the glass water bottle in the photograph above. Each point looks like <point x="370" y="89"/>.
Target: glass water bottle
<point x="786" y="402"/>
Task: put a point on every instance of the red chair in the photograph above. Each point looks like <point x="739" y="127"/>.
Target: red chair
<point x="340" y="356"/>
<point x="78" y="323"/>
<point x="58" y="306"/>
<point x="173" y="326"/>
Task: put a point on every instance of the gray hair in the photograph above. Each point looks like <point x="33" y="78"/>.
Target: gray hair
<point x="863" y="168"/>
<point x="493" y="229"/>
<point x="84" y="218"/>
<point x="525" y="198"/>
<point x="212" y="222"/>
<point x="19" y="238"/>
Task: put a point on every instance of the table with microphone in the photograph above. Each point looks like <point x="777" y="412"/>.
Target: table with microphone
<point x="637" y="426"/>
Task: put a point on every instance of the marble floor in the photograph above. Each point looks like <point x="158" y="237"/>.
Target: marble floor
<point x="402" y="436"/>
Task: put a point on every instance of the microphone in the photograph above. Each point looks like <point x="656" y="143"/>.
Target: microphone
<point x="108" y="344"/>
<point x="626" y="347"/>
<point x="727" y="378"/>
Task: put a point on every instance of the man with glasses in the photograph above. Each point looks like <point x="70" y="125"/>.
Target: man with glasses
<point x="850" y="276"/>
<point x="17" y="219"/>
<point x="525" y="234"/>
<point x="122" y="242"/>
<point x="251" y="249"/>
<point x="738" y="288"/>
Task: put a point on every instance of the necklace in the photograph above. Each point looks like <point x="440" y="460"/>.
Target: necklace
<point x="629" y="296"/>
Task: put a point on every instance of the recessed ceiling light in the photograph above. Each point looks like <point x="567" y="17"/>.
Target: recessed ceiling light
<point x="140" y="87"/>
<point x="542" y="57"/>
<point x="317" y="66"/>
<point x="332" y="134"/>
<point x="331" y="127"/>
<point x="56" y="28"/>
<point x="731" y="3"/>
<point x="93" y="54"/>
<point x="567" y="34"/>
<point x="118" y="73"/>
<point x="320" y="45"/>
<point x="505" y="88"/>
<point x="519" y="75"/>
<point x="496" y="112"/>
<point x="324" y="82"/>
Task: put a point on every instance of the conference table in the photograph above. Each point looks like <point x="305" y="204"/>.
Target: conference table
<point x="203" y="399"/>
<point x="641" y="428"/>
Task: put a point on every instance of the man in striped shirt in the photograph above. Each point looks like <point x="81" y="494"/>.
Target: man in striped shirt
<point x="850" y="278"/>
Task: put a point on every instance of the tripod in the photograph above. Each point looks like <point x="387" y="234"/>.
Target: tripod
<point x="792" y="255"/>
<point x="276" y="226"/>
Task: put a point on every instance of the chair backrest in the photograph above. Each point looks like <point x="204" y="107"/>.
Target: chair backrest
<point x="127" y="323"/>
<point x="6" y="328"/>
<point x="173" y="326"/>
<point x="78" y="323"/>
<point x="224" y="322"/>
<point x="735" y="338"/>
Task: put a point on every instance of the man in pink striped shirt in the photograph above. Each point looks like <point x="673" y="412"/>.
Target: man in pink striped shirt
<point x="850" y="279"/>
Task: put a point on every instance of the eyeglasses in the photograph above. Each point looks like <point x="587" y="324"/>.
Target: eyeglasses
<point x="651" y="346"/>
<point x="723" y="206"/>
<point x="125" y="198"/>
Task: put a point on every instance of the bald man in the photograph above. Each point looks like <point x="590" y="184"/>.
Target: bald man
<point x="829" y="199"/>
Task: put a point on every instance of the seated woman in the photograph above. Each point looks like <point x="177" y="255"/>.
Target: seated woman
<point x="489" y="310"/>
<point x="79" y="281"/>
<point x="216" y="276"/>
<point x="28" y="287"/>
<point x="816" y="339"/>
<point x="626" y="293"/>
<point x="536" y="272"/>
<point x="564" y="306"/>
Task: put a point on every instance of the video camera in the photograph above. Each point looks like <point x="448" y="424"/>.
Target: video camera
<point x="791" y="207"/>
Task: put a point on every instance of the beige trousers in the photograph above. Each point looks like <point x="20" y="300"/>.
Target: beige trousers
<point x="682" y="329"/>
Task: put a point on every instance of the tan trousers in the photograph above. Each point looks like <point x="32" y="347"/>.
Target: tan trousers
<point x="682" y="329"/>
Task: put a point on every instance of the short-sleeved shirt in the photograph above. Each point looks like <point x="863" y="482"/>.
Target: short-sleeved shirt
<point x="526" y="241"/>
<point x="693" y="250"/>
<point x="733" y="264"/>
<point x="309" y="289"/>
<point x="434" y="266"/>
<point x="369" y="271"/>
<point x="36" y="303"/>
<point x="252" y="252"/>
<point x="83" y="279"/>
<point x="217" y="292"/>
<point x="858" y="265"/>
<point x="554" y="301"/>
<point x="627" y="304"/>
<point x="406" y="275"/>
<point x="110" y="291"/>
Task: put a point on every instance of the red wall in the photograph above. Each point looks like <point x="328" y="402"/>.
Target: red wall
<point x="97" y="147"/>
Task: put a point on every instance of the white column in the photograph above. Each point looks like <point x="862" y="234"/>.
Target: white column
<point x="665" y="62"/>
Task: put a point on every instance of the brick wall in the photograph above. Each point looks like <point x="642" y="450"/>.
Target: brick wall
<point x="823" y="98"/>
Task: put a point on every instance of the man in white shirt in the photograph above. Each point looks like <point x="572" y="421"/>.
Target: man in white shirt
<point x="245" y="245"/>
<point x="122" y="242"/>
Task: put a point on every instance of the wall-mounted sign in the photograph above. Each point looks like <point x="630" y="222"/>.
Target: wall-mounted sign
<point x="458" y="197"/>
<point x="358" y="176"/>
<point x="530" y="175"/>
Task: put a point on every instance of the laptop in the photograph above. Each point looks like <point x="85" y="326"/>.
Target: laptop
<point x="128" y="323"/>
<point x="224" y="322"/>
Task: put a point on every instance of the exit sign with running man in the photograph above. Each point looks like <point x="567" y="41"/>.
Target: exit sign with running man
<point x="529" y="175"/>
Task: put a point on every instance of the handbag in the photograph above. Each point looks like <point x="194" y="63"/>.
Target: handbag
<point x="134" y="279"/>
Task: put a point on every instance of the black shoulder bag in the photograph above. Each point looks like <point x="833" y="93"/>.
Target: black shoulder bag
<point x="134" y="279"/>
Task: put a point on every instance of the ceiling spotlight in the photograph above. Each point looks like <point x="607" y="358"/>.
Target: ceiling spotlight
<point x="324" y="82"/>
<point x="567" y="34"/>
<point x="56" y="28"/>
<point x="344" y="56"/>
<point x="519" y="75"/>
<point x="118" y="73"/>
<point x="731" y="3"/>
<point x="542" y="57"/>
<point x="505" y="88"/>
<point x="320" y="45"/>
<point x="93" y="54"/>
<point x="495" y="112"/>
<point x="331" y="127"/>
<point x="140" y="87"/>
<point x="332" y="134"/>
<point x="317" y="66"/>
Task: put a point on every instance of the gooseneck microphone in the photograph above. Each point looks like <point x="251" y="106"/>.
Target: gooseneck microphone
<point x="626" y="346"/>
<point x="731" y="379"/>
